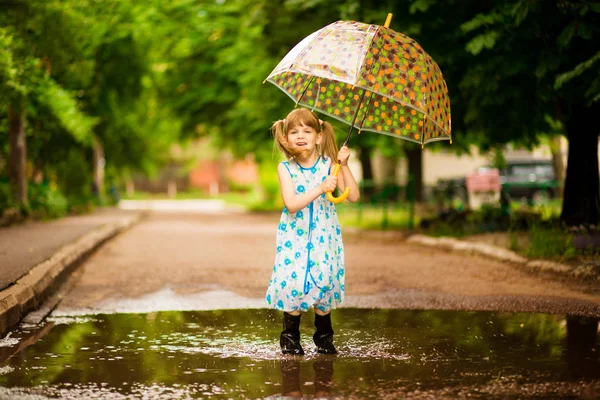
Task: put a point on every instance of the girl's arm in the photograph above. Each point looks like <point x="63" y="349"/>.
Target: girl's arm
<point x="296" y="202"/>
<point x="345" y="178"/>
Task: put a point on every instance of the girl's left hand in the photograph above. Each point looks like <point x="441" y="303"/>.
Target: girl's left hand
<point x="343" y="155"/>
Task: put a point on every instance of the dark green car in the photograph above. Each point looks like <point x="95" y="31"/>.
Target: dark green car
<point x="533" y="180"/>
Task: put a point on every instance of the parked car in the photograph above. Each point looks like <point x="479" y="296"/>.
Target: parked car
<point x="526" y="180"/>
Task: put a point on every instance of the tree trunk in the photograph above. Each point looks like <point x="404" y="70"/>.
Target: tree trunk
<point x="414" y="154"/>
<point x="581" y="204"/>
<point x="557" y="161"/>
<point x="99" y="163"/>
<point x="18" y="154"/>
<point x="364" y="156"/>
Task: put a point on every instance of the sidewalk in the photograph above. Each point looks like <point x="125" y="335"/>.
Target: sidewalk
<point x="36" y="257"/>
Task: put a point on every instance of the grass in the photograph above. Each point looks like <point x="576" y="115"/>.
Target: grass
<point x="181" y="195"/>
<point x="550" y="243"/>
<point x="250" y="200"/>
<point x="548" y="209"/>
<point x="371" y="217"/>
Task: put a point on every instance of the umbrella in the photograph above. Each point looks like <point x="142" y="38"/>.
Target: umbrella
<point x="370" y="77"/>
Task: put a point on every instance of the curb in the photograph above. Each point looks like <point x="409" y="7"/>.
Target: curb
<point x="30" y="291"/>
<point x="584" y="271"/>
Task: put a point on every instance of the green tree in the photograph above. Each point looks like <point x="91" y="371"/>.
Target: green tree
<point x="529" y="63"/>
<point x="27" y="57"/>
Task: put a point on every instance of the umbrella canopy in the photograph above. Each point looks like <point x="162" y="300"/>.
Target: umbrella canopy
<point x="370" y="77"/>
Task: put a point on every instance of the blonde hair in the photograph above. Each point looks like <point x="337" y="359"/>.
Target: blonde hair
<point x="304" y="116"/>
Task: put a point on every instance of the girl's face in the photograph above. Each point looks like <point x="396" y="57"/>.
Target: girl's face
<point x="303" y="139"/>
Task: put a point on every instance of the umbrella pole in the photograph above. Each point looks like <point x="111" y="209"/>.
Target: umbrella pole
<point x="354" y="119"/>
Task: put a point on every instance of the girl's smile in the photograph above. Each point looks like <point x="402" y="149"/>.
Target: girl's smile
<point x="303" y="136"/>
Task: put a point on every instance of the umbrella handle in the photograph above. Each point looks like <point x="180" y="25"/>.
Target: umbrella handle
<point x="329" y="195"/>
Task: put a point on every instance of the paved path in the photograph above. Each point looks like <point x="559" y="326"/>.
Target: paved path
<point x="193" y="261"/>
<point x="24" y="246"/>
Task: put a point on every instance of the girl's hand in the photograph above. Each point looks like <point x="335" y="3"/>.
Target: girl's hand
<point x="329" y="184"/>
<point x="343" y="155"/>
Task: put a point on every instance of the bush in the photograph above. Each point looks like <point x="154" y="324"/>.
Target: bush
<point x="5" y="196"/>
<point x="46" y="202"/>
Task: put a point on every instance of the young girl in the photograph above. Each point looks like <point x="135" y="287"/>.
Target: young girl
<point x="309" y="263"/>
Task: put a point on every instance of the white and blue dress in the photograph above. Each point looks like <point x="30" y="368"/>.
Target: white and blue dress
<point x="309" y="263"/>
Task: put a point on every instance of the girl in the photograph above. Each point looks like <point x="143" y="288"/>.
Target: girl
<point x="309" y="263"/>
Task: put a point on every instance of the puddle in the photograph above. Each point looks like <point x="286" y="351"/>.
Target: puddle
<point x="235" y="354"/>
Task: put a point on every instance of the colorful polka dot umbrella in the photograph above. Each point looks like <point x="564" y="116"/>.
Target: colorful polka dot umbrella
<point x="370" y="77"/>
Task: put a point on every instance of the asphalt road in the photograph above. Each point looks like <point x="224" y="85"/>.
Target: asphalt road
<point x="193" y="261"/>
<point x="23" y="246"/>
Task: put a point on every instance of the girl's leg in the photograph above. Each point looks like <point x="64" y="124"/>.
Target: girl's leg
<point x="323" y="337"/>
<point x="290" y="336"/>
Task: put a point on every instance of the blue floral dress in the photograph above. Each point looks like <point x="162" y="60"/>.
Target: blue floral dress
<point x="309" y="263"/>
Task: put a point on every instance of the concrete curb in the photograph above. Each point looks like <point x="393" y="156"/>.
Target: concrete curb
<point x="587" y="272"/>
<point x="30" y="291"/>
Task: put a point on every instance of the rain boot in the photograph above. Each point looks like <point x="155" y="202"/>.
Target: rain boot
<point x="290" y="336"/>
<point x="323" y="337"/>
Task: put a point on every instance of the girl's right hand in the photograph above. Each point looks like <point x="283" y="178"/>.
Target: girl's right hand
<point x="329" y="184"/>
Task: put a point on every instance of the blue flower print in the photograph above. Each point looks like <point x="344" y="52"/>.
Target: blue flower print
<point x="304" y="306"/>
<point x="287" y="261"/>
<point x="300" y="214"/>
<point x="310" y="246"/>
<point x="297" y="255"/>
<point x="321" y="239"/>
<point x="300" y="232"/>
<point x="313" y="170"/>
<point x="279" y="248"/>
<point x="293" y="225"/>
<point x="313" y="225"/>
<point x="294" y="275"/>
<point x="282" y="227"/>
<point x="283" y="284"/>
<point x="337" y="230"/>
<point x="280" y="304"/>
<point x="336" y="295"/>
<point x="269" y="299"/>
<point x="294" y="293"/>
<point x="301" y="189"/>
<point x="288" y="244"/>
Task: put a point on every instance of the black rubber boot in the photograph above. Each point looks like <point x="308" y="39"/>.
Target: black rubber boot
<point x="290" y="336"/>
<point x="323" y="337"/>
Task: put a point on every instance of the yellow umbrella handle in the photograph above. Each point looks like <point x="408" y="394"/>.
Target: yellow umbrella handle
<point x="337" y="200"/>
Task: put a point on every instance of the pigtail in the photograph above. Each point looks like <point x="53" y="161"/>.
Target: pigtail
<point x="328" y="143"/>
<point x="278" y="131"/>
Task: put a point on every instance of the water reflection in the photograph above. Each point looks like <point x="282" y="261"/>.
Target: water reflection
<point x="582" y="354"/>
<point x="292" y="386"/>
<point x="235" y="353"/>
